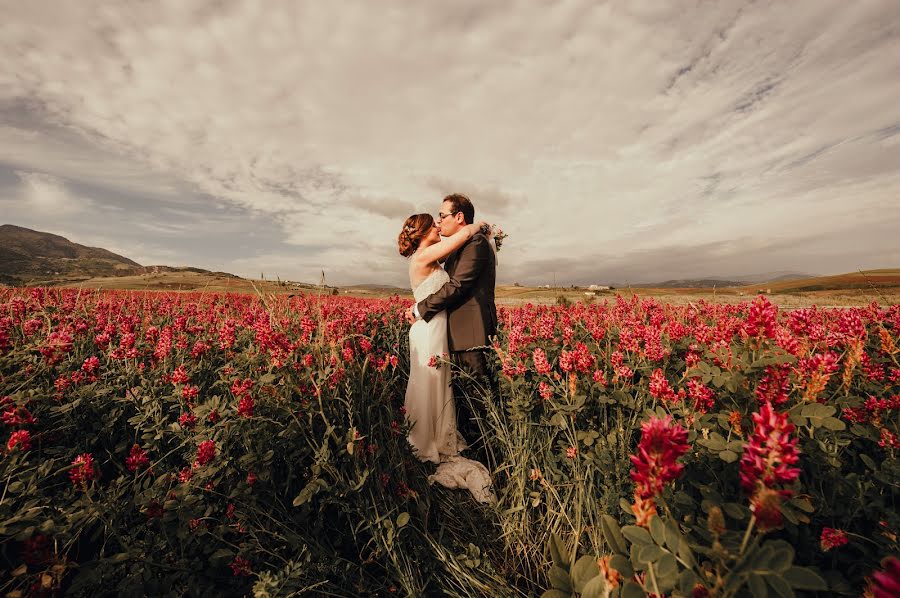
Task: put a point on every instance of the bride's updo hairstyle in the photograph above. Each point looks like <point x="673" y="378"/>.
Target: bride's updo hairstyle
<point x="414" y="230"/>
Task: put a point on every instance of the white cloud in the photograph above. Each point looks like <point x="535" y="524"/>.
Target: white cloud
<point x="46" y="195"/>
<point x="621" y="129"/>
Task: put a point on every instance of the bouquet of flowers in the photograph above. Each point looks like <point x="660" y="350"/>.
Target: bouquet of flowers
<point x="496" y="232"/>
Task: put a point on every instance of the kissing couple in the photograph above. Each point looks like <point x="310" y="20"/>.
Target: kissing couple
<point x="454" y="314"/>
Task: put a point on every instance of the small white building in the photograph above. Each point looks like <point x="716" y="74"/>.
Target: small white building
<point x="598" y="287"/>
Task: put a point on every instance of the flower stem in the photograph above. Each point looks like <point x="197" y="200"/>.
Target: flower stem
<point x="653" y="579"/>
<point x="747" y="533"/>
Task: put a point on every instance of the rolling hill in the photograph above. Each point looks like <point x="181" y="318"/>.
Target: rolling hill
<point x="28" y="255"/>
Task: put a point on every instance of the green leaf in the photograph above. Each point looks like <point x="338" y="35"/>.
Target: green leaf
<point x="834" y="424"/>
<point x="735" y="445"/>
<point x="715" y="442"/>
<point x="858" y="430"/>
<point x="632" y="590"/>
<point x="637" y="535"/>
<point x="309" y="491"/>
<point x="728" y="456"/>
<point x="817" y="410"/>
<point x="804" y="579"/>
<point x="635" y="557"/>
<point x="757" y="586"/>
<point x="595" y="588"/>
<point x="734" y="510"/>
<point x="803" y="504"/>
<point x="402" y="519"/>
<point x="868" y="461"/>
<point x="649" y="553"/>
<point x="761" y="559"/>
<point x="658" y="530"/>
<point x="779" y="585"/>
<point x="559" y="579"/>
<point x="556" y="594"/>
<point x="613" y="534"/>
<point x="622" y="565"/>
<point x="673" y="535"/>
<point x="221" y="555"/>
<point x="558" y="551"/>
<point x="584" y="570"/>
<point x="667" y="567"/>
<point x="783" y="556"/>
<point x="685" y="553"/>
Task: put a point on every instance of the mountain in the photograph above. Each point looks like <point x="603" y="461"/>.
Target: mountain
<point x="775" y="276"/>
<point x="709" y="282"/>
<point x="691" y="283"/>
<point x="30" y="256"/>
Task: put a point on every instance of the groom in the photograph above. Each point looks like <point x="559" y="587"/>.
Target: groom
<point x="468" y="298"/>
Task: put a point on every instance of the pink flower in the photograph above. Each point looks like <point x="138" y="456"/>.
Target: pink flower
<point x="136" y="459"/>
<point x="240" y="566"/>
<point x="775" y="385"/>
<point x="545" y="391"/>
<point x="17" y="416"/>
<point x="541" y="365"/>
<point x="187" y="420"/>
<point x="659" y="387"/>
<point x="886" y="583"/>
<point x="245" y="406"/>
<point x="571" y="452"/>
<point x="20" y="438"/>
<point x="179" y="376"/>
<point x="90" y="365"/>
<point x="767" y="463"/>
<point x="761" y="318"/>
<point x="189" y="391"/>
<point x="832" y="538"/>
<point x="703" y="396"/>
<point x="83" y="469"/>
<point x="656" y="462"/>
<point x="240" y="388"/>
<point x="206" y="452"/>
<point x="770" y="453"/>
<point x="251" y="478"/>
<point x="185" y="475"/>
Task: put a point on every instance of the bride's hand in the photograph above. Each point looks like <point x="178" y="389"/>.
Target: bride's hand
<point x="481" y="226"/>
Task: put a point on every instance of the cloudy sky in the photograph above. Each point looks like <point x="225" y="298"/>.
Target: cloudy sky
<point x="613" y="141"/>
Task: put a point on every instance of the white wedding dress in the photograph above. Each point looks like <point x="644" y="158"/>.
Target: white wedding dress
<point x="430" y="407"/>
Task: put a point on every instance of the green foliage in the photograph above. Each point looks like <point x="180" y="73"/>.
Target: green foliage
<point x="337" y="503"/>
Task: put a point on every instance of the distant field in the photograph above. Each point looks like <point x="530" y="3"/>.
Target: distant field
<point x="844" y="290"/>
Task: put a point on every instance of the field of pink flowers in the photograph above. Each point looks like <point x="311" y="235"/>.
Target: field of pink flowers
<point x="217" y="444"/>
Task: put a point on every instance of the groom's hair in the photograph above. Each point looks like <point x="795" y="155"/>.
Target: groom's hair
<point x="463" y="204"/>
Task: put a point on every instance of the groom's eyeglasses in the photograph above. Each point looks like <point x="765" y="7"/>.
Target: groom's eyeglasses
<point x="441" y="215"/>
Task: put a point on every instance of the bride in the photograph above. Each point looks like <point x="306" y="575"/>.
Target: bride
<point x="430" y="407"/>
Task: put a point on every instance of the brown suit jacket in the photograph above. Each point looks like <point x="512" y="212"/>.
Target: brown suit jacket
<point x="468" y="297"/>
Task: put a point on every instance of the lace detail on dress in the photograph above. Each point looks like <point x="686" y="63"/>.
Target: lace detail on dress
<point x="432" y="283"/>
